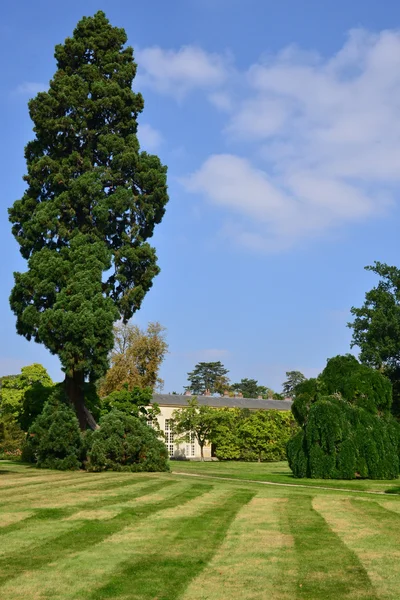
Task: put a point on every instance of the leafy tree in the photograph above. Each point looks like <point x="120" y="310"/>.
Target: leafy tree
<point x="376" y="326"/>
<point x="11" y="436"/>
<point x="211" y="376"/>
<point x="224" y="435"/>
<point x="54" y="440"/>
<point x="125" y="443"/>
<point x="197" y="419"/>
<point x="293" y="380"/>
<point x="264" y="435"/>
<point x="92" y="202"/>
<point x="14" y="388"/>
<point x="250" y="388"/>
<point x="136" y="358"/>
<point x="136" y="402"/>
<point x="347" y="429"/>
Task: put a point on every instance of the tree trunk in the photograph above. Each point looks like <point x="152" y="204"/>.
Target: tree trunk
<point x="201" y="453"/>
<point x="74" y="388"/>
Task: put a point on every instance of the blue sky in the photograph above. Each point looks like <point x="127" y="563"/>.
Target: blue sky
<point x="280" y="126"/>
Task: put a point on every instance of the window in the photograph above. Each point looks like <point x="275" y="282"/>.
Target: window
<point x="169" y="437"/>
<point x="190" y="446"/>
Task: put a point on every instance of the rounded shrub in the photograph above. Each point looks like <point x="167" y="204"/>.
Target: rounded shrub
<point x="125" y="443"/>
<point x="54" y="440"/>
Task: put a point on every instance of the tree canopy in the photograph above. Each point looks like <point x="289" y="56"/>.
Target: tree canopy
<point x="250" y="388"/>
<point x="347" y="428"/>
<point x="293" y="379"/>
<point x="208" y="376"/>
<point x="196" y="419"/>
<point x="92" y="201"/>
<point x="136" y="358"/>
<point x="376" y="326"/>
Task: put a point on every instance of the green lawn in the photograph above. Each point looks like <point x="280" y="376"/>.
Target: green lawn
<point x="82" y="536"/>
<point x="277" y="472"/>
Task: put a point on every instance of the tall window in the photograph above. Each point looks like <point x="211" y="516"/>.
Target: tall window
<point x="190" y="448"/>
<point x="169" y="436"/>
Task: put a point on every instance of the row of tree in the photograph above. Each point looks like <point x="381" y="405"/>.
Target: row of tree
<point x="212" y="378"/>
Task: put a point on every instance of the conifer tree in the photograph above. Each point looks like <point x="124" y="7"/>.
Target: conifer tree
<point x="92" y="201"/>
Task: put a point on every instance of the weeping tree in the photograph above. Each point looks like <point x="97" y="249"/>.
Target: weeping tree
<point x="91" y="203"/>
<point x="347" y="430"/>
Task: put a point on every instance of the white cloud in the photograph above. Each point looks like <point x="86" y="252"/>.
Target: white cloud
<point x="326" y="135"/>
<point x="150" y="138"/>
<point x="31" y="88"/>
<point x="177" y="72"/>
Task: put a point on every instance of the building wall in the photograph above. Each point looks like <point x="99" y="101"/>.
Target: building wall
<point x="190" y="450"/>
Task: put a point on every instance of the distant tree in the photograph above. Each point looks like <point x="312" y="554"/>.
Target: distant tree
<point x="376" y="327"/>
<point x="210" y="376"/>
<point x="92" y="201"/>
<point x="293" y="380"/>
<point x="250" y="388"/>
<point x="197" y="419"/>
<point x="136" y="358"/>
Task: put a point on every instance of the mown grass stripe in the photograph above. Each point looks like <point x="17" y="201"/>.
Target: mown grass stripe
<point x="373" y="533"/>
<point x="327" y="568"/>
<point x="256" y="560"/>
<point x="88" y="533"/>
<point x="185" y="552"/>
<point x="55" y="514"/>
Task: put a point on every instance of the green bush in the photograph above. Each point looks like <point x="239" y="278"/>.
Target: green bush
<point x="260" y="435"/>
<point x="125" y="443"/>
<point x="54" y="440"/>
<point x="349" y="432"/>
<point x="12" y="437"/>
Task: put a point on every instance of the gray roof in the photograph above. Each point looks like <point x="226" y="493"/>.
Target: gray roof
<point x="219" y="402"/>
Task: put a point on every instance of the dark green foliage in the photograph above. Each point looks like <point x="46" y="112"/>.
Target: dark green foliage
<point x="347" y="429"/>
<point x="250" y="388"/>
<point x="293" y="379"/>
<point x="54" y="440"/>
<point x="126" y="443"/>
<point x="357" y="383"/>
<point x="208" y="377"/>
<point x="376" y="327"/>
<point x="92" y="201"/>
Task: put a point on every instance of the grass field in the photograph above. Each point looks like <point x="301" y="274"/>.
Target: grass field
<point x="81" y="536"/>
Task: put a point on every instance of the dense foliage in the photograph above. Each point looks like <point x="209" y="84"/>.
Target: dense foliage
<point x="260" y="435"/>
<point x="136" y="358"/>
<point x="54" y="440"/>
<point x="91" y="203"/>
<point x="208" y="377"/>
<point x="22" y="398"/>
<point x="125" y="443"/>
<point x="347" y="428"/>
<point x="293" y="379"/>
<point x="376" y="327"/>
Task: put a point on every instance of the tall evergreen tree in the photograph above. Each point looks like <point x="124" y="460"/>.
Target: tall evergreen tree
<point x="208" y="377"/>
<point x="92" y="201"/>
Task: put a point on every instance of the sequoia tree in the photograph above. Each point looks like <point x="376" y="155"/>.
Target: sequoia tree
<point x="92" y="201"/>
